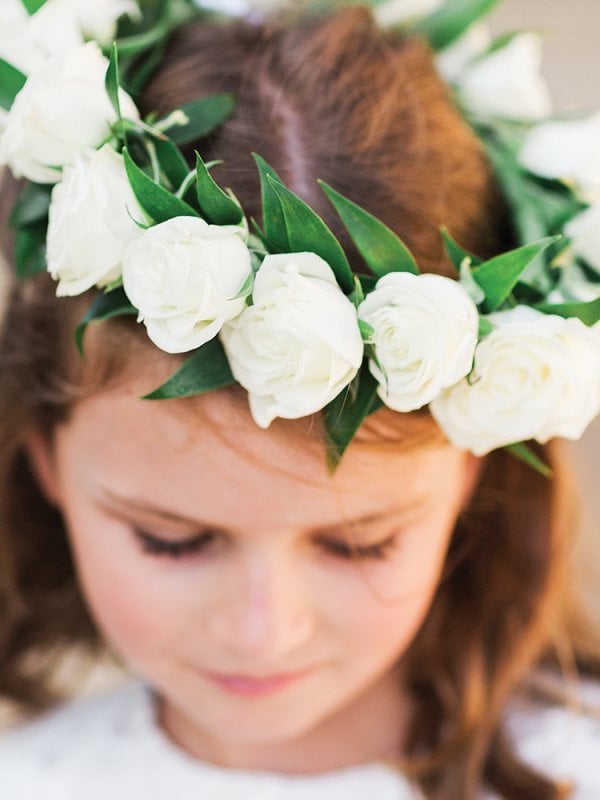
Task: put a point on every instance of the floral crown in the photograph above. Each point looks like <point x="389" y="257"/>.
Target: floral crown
<point x="507" y="353"/>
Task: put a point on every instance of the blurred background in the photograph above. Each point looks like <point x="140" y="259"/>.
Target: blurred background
<point x="572" y="50"/>
<point x="572" y="66"/>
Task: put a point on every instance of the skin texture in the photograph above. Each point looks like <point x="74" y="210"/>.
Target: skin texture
<point x="268" y="648"/>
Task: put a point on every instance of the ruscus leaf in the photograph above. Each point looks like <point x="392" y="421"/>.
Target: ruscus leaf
<point x="382" y="250"/>
<point x="205" y="115"/>
<point x="206" y="370"/>
<point x="588" y="312"/>
<point x="484" y="329"/>
<point x="275" y="233"/>
<point x="307" y="232"/>
<point x="12" y="81"/>
<point x="456" y="253"/>
<point x="524" y="453"/>
<point x="106" y="306"/>
<point x="345" y="414"/>
<point x="30" y="249"/>
<point x="111" y="81"/>
<point x="217" y="207"/>
<point x="31" y="6"/>
<point x="157" y="201"/>
<point x="498" y="276"/>
<point x="31" y="206"/>
<point x="171" y="161"/>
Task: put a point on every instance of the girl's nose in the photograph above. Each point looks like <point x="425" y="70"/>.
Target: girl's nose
<point x="263" y="611"/>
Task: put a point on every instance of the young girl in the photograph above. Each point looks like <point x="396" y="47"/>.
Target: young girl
<point x="393" y="628"/>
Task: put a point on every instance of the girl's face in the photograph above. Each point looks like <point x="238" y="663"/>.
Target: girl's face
<point x="225" y="577"/>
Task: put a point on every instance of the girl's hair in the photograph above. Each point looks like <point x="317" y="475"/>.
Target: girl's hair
<point x="328" y="97"/>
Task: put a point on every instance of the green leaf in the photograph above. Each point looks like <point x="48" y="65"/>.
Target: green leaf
<point x="345" y="414"/>
<point x="382" y="250"/>
<point x="524" y="453"/>
<point x="12" y="81"/>
<point x="308" y="233"/>
<point x="160" y="20"/>
<point x="31" y="6"/>
<point x="258" y="232"/>
<point x="276" y="236"/>
<point x="106" y="306"/>
<point x="30" y="249"/>
<point x="538" y="206"/>
<point x="111" y="81"/>
<point x="157" y="201"/>
<point x="485" y="328"/>
<point x="358" y="295"/>
<point x="144" y="68"/>
<point x="206" y="370"/>
<point x="205" y="115"/>
<point x="217" y="207"/>
<point x="456" y="253"/>
<point x="366" y="331"/>
<point x="588" y="313"/>
<point x="31" y="206"/>
<point x="498" y="276"/>
<point x="448" y="24"/>
<point x="367" y="283"/>
<point x="171" y="161"/>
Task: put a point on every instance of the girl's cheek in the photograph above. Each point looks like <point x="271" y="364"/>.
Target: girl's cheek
<point x="130" y="603"/>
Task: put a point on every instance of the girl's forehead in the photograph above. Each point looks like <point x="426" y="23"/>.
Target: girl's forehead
<point x="210" y="459"/>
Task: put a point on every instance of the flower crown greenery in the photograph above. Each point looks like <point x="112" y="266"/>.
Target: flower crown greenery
<point x="508" y="352"/>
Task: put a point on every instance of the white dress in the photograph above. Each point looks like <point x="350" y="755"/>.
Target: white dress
<point x="110" y="748"/>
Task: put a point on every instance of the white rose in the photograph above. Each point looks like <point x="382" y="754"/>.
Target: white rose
<point x="184" y="276"/>
<point x="98" y="18"/>
<point x="27" y="41"/>
<point x="62" y="110"/>
<point x="453" y="60"/>
<point x="569" y="150"/>
<point x="574" y="284"/>
<point x="91" y="222"/>
<point x="241" y="8"/>
<point x="508" y="82"/>
<point x="536" y="376"/>
<point x="397" y="12"/>
<point x="299" y="345"/>
<point x="424" y="333"/>
<point x="584" y="231"/>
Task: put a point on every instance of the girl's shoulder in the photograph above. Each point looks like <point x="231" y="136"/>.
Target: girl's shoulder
<point x="562" y="740"/>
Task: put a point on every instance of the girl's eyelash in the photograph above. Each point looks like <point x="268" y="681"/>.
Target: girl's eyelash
<point x="154" y="546"/>
<point x="375" y="552"/>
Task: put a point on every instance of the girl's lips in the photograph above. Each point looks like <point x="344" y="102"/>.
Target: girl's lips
<point x="249" y="686"/>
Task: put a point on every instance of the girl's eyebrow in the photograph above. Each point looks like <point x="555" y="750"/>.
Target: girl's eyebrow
<point x="131" y="504"/>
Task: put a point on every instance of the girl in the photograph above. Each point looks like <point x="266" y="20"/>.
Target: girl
<point x="393" y="629"/>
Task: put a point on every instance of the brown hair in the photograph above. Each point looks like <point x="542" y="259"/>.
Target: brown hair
<point x="332" y="98"/>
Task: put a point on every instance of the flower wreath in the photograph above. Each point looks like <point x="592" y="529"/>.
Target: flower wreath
<point x="507" y="353"/>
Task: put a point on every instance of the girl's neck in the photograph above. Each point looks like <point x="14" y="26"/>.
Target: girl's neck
<point x="371" y="728"/>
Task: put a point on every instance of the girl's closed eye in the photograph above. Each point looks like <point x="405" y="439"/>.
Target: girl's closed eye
<point x="154" y="545"/>
<point x="375" y="551"/>
<point x="158" y="546"/>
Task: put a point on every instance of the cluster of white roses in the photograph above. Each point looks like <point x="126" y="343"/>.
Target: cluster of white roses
<point x="570" y="150"/>
<point x="293" y="339"/>
<point x="28" y="40"/>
